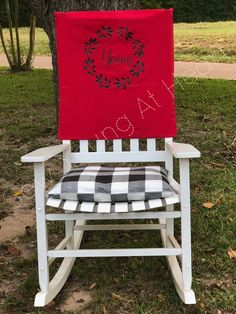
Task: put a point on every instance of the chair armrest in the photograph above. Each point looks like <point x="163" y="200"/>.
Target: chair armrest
<point x="180" y="150"/>
<point x="45" y="153"/>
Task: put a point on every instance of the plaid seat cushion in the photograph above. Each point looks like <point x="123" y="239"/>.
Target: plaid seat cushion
<point x="113" y="184"/>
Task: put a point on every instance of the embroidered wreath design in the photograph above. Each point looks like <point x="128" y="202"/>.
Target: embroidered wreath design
<point x="137" y="48"/>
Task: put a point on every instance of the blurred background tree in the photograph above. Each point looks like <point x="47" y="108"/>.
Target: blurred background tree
<point x="44" y="10"/>
<point x="17" y="60"/>
<point x="185" y="11"/>
<point x="190" y="11"/>
<point x="24" y="13"/>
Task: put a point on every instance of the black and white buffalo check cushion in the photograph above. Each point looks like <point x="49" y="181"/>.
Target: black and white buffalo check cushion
<point x="113" y="184"/>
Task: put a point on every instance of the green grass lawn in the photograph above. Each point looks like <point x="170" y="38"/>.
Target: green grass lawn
<point x="211" y="42"/>
<point x="206" y="118"/>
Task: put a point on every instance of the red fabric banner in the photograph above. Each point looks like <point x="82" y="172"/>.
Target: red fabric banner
<point x="116" y="74"/>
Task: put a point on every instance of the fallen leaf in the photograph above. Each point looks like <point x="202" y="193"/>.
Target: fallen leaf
<point x="117" y="296"/>
<point x="104" y="309"/>
<point x="14" y="251"/>
<point x="217" y="165"/>
<point x="231" y="253"/>
<point x="206" y="118"/>
<point x="18" y="193"/>
<point x="16" y="163"/>
<point x="202" y="306"/>
<point x="93" y="286"/>
<point x="208" y="205"/>
<point x="211" y="284"/>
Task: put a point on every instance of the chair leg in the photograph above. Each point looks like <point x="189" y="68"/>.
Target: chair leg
<point x="42" y="243"/>
<point x="182" y="277"/>
<point x="188" y="293"/>
<point x="42" y="298"/>
<point x="169" y="224"/>
<point x="69" y="231"/>
<point x="187" y="296"/>
<point x="186" y="232"/>
<point x="48" y="290"/>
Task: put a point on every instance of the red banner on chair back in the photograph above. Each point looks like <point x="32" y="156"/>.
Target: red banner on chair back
<point x="116" y="74"/>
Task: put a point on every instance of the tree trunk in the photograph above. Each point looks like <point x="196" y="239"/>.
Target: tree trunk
<point x="44" y="11"/>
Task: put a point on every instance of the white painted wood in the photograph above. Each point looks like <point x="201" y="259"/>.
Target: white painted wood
<point x="180" y="150"/>
<point x="134" y="145"/>
<point x="114" y="252"/>
<point x="112" y="216"/>
<point x="70" y="205"/>
<point x="66" y="168"/>
<point x="68" y="248"/>
<point x="83" y="144"/>
<point x="44" y="297"/>
<point x="174" y="184"/>
<point x="121" y="207"/>
<point x="169" y="158"/>
<point x="173" y="241"/>
<point x="119" y="227"/>
<point x="185" y="224"/>
<point x="100" y="144"/>
<point x="104" y="207"/>
<point x="151" y="144"/>
<point x="60" y="246"/>
<point x="44" y="154"/>
<point x="169" y="223"/>
<point x="66" y="157"/>
<point x="78" y="234"/>
<point x="117" y="145"/>
<point x="69" y="231"/>
<point x="155" y="203"/>
<point x="172" y="200"/>
<point x="138" y="205"/>
<point x="87" y="207"/>
<point x="42" y="235"/>
<point x="187" y="296"/>
<point x="133" y="206"/>
<point x="53" y="202"/>
<point x="97" y="157"/>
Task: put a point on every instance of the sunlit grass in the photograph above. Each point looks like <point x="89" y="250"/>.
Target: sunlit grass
<point x="211" y="42"/>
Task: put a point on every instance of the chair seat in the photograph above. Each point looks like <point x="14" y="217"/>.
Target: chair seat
<point x="99" y="189"/>
<point x="100" y="184"/>
<point x="119" y="207"/>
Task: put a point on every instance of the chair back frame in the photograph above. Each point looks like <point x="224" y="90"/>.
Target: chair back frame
<point x="101" y="155"/>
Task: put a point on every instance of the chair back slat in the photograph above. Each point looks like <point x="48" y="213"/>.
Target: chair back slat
<point x="101" y="147"/>
<point x="151" y="144"/>
<point x="134" y="145"/>
<point x="84" y="148"/>
<point x="133" y="150"/>
<point x="117" y="145"/>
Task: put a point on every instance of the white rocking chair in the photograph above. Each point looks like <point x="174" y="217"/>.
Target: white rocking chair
<point x="75" y="222"/>
<point x="77" y="213"/>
